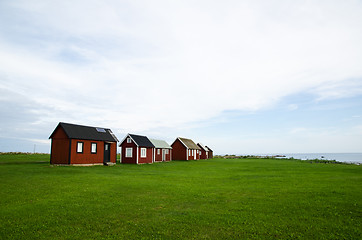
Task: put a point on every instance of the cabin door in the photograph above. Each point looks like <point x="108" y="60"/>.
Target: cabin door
<point x="107" y="152"/>
<point x="163" y="155"/>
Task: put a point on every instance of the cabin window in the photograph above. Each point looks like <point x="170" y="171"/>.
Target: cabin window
<point x="129" y="140"/>
<point x="189" y="152"/>
<point x="80" y="147"/>
<point x="129" y="152"/>
<point x="143" y="152"/>
<point x="158" y="151"/>
<point x="166" y="151"/>
<point x="94" y="148"/>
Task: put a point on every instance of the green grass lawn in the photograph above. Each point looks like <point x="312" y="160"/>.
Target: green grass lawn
<point x="205" y="199"/>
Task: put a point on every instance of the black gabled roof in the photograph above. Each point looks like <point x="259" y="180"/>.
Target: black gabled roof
<point x="208" y="148"/>
<point x="74" y="131"/>
<point x="203" y="147"/>
<point x="141" y="141"/>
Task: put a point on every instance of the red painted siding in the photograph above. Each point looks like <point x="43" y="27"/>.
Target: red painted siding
<point x="60" y="148"/>
<point x="193" y="154"/>
<point x="197" y="155"/>
<point x="178" y="151"/>
<point x="169" y="155"/>
<point x="132" y="159"/>
<point x="189" y="153"/>
<point x="158" y="157"/>
<point x="203" y="154"/>
<point x="91" y="158"/>
<point x="113" y="152"/>
<point x="148" y="158"/>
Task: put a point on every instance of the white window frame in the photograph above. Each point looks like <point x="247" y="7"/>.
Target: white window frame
<point x="129" y="152"/>
<point x="80" y="146"/>
<point x="93" y="147"/>
<point x="158" y="151"/>
<point x="143" y="152"/>
<point x="129" y="140"/>
<point x="166" y="151"/>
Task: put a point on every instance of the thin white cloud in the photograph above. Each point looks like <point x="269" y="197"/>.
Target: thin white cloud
<point x="337" y="90"/>
<point x="357" y="130"/>
<point x="292" y="107"/>
<point x="298" y="130"/>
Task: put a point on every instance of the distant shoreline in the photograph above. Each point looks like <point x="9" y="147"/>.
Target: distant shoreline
<point x="355" y="158"/>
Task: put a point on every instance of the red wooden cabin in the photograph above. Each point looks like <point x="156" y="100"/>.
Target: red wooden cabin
<point x="185" y="149"/>
<point x="136" y="149"/>
<point x="204" y="152"/>
<point x="211" y="153"/>
<point x="162" y="152"/>
<point x="77" y="144"/>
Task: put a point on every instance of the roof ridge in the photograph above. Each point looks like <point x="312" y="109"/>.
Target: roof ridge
<point x="82" y="125"/>
<point x="138" y="135"/>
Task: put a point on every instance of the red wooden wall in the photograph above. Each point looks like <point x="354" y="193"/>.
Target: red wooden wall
<point x="148" y="158"/>
<point x="178" y="151"/>
<point x="203" y="154"/>
<point x="91" y="158"/>
<point x="132" y="159"/>
<point x="158" y="157"/>
<point x="60" y="148"/>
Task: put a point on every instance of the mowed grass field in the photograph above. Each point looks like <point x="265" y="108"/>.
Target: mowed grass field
<point x="205" y="199"/>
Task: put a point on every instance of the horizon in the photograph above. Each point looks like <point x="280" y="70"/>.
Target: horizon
<point x="250" y="76"/>
<point x="221" y="154"/>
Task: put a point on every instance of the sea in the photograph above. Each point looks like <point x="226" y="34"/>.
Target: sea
<point x="340" y="157"/>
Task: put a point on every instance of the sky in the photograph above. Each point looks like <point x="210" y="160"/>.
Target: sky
<point x="243" y="77"/>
